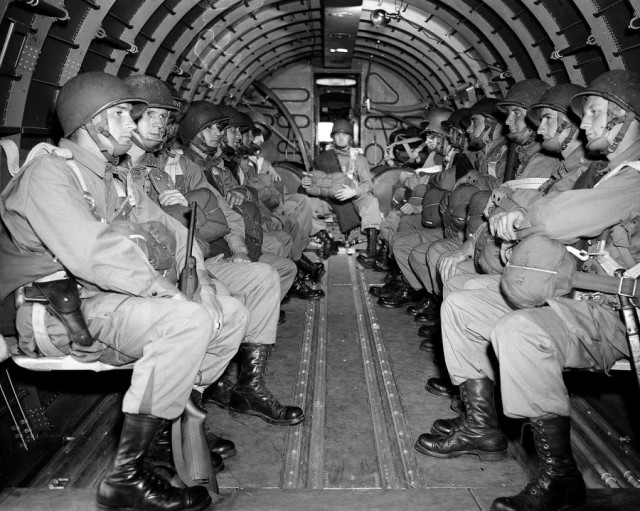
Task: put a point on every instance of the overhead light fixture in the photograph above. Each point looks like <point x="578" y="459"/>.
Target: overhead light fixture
<point x="340" y="14"/>
<point x="381" y="18"/>
<point x="335" y="81"/>
<point x="339" y="50"/>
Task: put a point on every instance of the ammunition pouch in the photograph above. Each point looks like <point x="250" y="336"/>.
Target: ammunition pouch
<point x="62" y="300"/>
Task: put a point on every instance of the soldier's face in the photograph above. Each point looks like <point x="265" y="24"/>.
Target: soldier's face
<point x="120" y="124"/>
<point x="516" y="119"/>
<point x="248" y="138"/>
<point x="233" y="136"/>
<point x="433" y="141"/>
<point x="476" y="127"/>
<point x="258" y="139"/>
<point x="595" y="117"/>
<point x="211" y="135"/>
<point x="548" y="123"/>
<point x="341" y="140"/>
<point x="152" y="124"/>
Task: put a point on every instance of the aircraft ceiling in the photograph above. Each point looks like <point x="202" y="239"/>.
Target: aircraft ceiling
<point x="215" y="49"/>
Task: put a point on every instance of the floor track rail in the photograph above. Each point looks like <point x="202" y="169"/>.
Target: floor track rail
<point x="396" y="458"/>
<point x="304" y="459"/>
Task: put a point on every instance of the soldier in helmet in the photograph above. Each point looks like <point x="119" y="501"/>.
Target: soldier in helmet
<point x="68" y="214"/>
<point x="257" y="283"/>
<point x="431" y="227"/>
<point x="354" y="204"/>
<point x="201" y="131"/>
<point x="534" y="345"/>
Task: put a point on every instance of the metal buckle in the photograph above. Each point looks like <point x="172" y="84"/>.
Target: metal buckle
<point x="633" y="291"/>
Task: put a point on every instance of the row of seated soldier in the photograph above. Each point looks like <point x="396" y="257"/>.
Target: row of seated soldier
<point x="523" y="197"/>
<point x="481" y="248"/>
<point x="98" y="227"/>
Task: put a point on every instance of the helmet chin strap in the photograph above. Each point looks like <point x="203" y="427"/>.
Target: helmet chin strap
<point x="146" y="144"/>
<point x="522" y="137"/>
<point x="477" y="143"/>
<point x="102" y="128"/>
<point x="556" y="144"/>
<point x="202" y="146"/>
<point x="601" y="145"/>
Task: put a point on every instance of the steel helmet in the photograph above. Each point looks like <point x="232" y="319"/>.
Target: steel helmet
<point x="487" y="107"/>
<point x="458" y="119"/>
<point x="154" y="91"/>
<point x="524" y="94"/>
<point x="236" y="118"/>
<point x="433" y="122"/>
<point x="342" y="126"/>
<point x="621" y="87"/>
<point x="179" y="101"/>
<point x="459" y="122"/>
<point x="559" y="97"/>
<point x="200" y="115"/>
<point x="260" y="121"/>
<point x="86" y="95"/>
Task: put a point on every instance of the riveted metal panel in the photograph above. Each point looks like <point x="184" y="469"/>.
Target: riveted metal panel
<point x="137" y="20"/>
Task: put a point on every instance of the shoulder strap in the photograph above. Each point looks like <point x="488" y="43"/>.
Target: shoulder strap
<point x="13" y="155"/>
<point x="635" y="164"/>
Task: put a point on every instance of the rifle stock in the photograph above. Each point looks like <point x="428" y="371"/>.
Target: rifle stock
<point x="190" y="449"/>
<point x="188" y="276"/>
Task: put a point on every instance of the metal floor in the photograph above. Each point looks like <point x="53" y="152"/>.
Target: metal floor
<point x="356" y="370"/>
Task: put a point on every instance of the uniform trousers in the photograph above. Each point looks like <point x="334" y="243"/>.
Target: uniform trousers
<point x="395" y="222"/>
<point x="256" y="285"/>
<point x="366" y="205"/>
<point x="174" y="343"/>
<point x="405" y="242"/>
<point x="298" y="206"/>
<point x="286" y="269"/>
<point x="299" y="239"/>
<point x="533" y="346"/>
<point x="276" y="242"/>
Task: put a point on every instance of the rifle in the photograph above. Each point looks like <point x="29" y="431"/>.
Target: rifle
<point x="630" y="316"/>
<point x="188" y="276"/>
<point x="188" y="437"/>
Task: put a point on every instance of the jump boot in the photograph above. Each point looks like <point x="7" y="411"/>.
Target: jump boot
<point x="406" y="294"/>
<point x="251" y="395"/>
<point x="300" y="289"/>
<point x="382" y="262"/>
<point x="312" y="270"/>
<point x="440" y="387"/>
<point x="395" y="283"/>
<point x="129" y="485"/>
<point x="479" y="433"/>
<point x="369" y="257"/>
<point x="559" y="484"/>
<point x="329" y="247"/>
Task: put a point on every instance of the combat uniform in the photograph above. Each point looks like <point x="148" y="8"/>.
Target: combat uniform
<point x="256" y="283"/>
<point x="53" y="219"/>
<point x="565" y="333"/>
<point x="356" y="167"/>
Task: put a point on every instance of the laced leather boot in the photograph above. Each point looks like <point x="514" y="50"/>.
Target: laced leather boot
<point x="559" y="484"/>
<point x="369" y="257"/>
<point x="444" y="427"/>
<point x="312" y="270"/>
<point x="382" y="263"/>
<point x="251" y="394"/>
<point x="429" y="303"/>
<point x="299" y="289"/>
<point x="219" y="393"/>
<point x="389" y="288"/>
<point x="479" y="433"/>
<point x="129" y="485"/>
<point x="329" y="247"/>
<point x="440" y="387"/>
<point x="406" y="294"/>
